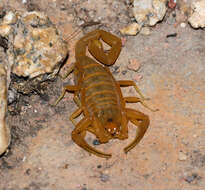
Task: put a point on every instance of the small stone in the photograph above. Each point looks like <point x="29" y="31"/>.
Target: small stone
<point x="131" y="29"/>
<point x="10" y="18"/>
<point x="183" y="25"/>
<point x="124" y="72"/>
<point x="134" y="65"/>
<point x="4" y="129"/>
<point x="182" y="156"/>
<point x="96" y="142"/>
<point x="145" y="31"/>
<point x="104" y="177"/>
<point x="123" y="41"/>
<point x="137" y="77"/>
<point x="28" y="171"/>
<point x="5" y="30"/>
<point x="195" y="135"/>
<point x="193" y="177"/>
<point x="172" y="4"/>
<point x="149" y="12"/>
<point x="12" y="96"/>
<point x="197" y="18"/>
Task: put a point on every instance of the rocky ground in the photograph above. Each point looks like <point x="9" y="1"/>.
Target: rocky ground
<point x="170" y="72"/>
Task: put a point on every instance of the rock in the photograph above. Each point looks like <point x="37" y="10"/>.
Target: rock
<point x="4" y="129"/>
<point x="182" y="156"/>
<point x="10" y="18"/>
<point x="145" y="31"/>
<point x="197" y="18"/>
<point x="131" y="29"/>
<point x="32" y="48"/>
<point x="104" y="177"/>
<point x="137" y="77"/>
<point x="183" y="25"/>
<point x="35" y="45"/>
<point x="134" y="65"/>
<point x="172" y="4"/>
<point x="149" y="12"/>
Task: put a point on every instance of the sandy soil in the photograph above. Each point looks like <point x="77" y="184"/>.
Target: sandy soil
<point x="171" y="156"/>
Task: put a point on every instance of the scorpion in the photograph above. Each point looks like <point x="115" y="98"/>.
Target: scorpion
<point x="99" y="97"/>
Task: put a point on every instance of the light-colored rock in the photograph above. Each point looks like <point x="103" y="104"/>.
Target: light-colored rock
<point x="35" y="47"/>
<point x="134" y="65"/>
<point x="10" y="18"/>
<point x="131" y="29"/>
<point x="149" y="12"/>
<point x="5" y="30"/>
<point x="182" y="156"/>
<point x="197" y="18"/>
<point x="4" y="129"/>
<point x="183" y="24"/>
<point x="145" y="31"/>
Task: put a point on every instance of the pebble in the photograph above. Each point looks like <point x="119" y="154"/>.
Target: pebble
<point x="137" y="77"/>
<point x="104" y="177"/>
<point x="12" y="96"/>
<point x="96" y="142"/>
<point x="124" y="72"/>
<point x="131" y="29"/>
<point x="195" y="135"/>
<point x="192" y="177"/>
<point x="197" y="18"/>
<point x="182" y="156"/>
<point x="145" y="31"/>
<point x="172" y="4"/>
<point x="149" y="12"/>
<point x="183" y="25"/>
<point x="123" y="41"/>
<point x="134" y="65"/>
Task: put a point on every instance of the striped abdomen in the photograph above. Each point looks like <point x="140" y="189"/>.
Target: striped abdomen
<point x="101" y="95"/>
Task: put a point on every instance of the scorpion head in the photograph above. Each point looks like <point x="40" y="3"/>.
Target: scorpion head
<point x="109" y="121"/>
<point x="112" y="127"/>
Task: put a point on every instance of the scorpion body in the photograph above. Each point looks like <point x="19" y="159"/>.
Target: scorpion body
<point x="99" y="97"/>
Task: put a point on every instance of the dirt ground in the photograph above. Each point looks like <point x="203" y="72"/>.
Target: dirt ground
<point x="171" y="156"/>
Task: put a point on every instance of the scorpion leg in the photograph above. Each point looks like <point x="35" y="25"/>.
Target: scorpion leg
<point x="95" y="47"/>
<point x="78" y="137"/>
<point x="126" y="83"/>
<point x="66" y="88"/>
<point x="142" y="121"/>
<point x="136" y="99"/>
<point x="77" y="100"/>
<point x="124" y="130"/>
<point x="75" y="114"/>
<point x="70" y="69"/>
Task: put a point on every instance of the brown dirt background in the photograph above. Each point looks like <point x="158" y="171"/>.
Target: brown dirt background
<point x="42" y="155"/>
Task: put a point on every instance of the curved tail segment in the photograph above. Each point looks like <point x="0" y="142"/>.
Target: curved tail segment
<point x="95" y="47"/>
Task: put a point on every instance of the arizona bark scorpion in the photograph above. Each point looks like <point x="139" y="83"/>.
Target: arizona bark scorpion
<point x="99" y="97"/>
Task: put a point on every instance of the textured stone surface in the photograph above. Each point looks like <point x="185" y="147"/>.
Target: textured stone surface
<point x="131" y="29"/>
<point x="149" y="12"/>
<point x="4" y="129"/>
<point x="35" y="45"/>
<point x="197" y="18"/>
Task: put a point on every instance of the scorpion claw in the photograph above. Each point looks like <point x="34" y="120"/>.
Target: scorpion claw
<point x="79" y="140"/>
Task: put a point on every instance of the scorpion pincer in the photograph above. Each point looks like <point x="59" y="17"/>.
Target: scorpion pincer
<point x="99" y="97"/>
